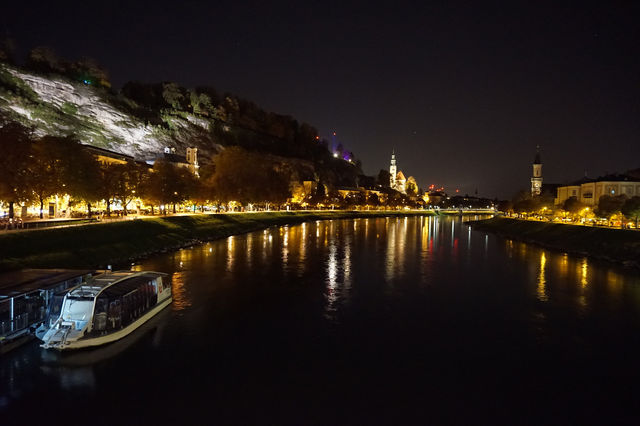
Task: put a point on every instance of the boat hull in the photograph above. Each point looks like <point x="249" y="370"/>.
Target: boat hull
<point x="111" y="337"/>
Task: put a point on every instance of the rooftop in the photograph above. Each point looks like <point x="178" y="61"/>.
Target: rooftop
<point x="27" y="280"/>
<point x="107" y="153"/>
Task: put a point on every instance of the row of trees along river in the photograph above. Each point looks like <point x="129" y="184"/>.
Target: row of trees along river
<point x="36" y="169"/>
<point x="613" y="208"/>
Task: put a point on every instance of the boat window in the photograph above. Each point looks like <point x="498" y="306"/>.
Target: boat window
<point x="101" y="305"/>
<point x="126" y="309"/>
<point x="114" y="319"/>
<point x="5" y="317"/>
<point x="76" y="297"/>
<point x="77" y="309"/>
<point x="100" y="314"/>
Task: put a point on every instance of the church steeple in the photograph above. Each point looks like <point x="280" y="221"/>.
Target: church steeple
<point x="537" y="159"/>
<point x="393" y="170"/>
<point x="536" y="179"/>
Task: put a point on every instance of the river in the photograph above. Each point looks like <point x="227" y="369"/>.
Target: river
<point x="417" y="320"/>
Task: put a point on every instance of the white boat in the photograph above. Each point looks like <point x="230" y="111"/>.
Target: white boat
<point x="107" y="308"/>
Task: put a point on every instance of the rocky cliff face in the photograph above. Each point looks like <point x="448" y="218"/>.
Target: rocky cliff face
<point x="55" y="106"/>
<point x="58" y="106"/>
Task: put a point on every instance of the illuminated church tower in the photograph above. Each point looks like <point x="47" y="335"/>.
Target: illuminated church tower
<point x="393" y="170"/>
<point x="536" y="180"/>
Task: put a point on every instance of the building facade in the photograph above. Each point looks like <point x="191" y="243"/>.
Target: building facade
<point x="397" y="179"/>
<point x="401" y="183"/>
<point x="393" y="170"/>
<point x="589" y="191"/>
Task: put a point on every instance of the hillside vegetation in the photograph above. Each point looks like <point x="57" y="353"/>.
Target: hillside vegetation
<point x="75" y="99"/>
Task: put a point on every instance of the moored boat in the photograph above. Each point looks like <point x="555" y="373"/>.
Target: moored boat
<point x="107" y="308"/>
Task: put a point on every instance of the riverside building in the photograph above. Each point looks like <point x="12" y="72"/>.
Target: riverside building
<point x="588" y="191"/>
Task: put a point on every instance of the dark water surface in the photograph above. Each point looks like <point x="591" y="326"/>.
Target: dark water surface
<point x="366" y="321"/>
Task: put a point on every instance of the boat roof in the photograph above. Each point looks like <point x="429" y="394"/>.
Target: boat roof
<point x="27" y="280"/>
<point x="104" y="283"/>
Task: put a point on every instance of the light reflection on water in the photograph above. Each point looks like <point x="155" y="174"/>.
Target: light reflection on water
<point x="411" y="247"/>
<point x="327" y="291"/>
<point x="542" y="282"/>
<point x="230" y="254"/>
<point x="301" y="238"/>
<point x="181" y="300"/>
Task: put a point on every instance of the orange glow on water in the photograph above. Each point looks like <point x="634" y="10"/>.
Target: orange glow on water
<point x="542" y="282"/>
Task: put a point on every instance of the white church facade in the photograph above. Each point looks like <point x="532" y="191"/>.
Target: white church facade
<point x="397" y="180"/>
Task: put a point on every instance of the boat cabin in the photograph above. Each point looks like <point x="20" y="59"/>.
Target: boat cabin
<point x="119" y="300"/>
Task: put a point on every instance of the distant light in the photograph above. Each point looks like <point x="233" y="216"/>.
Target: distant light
<point x="334" y="133"/>
<point x="335" y="155"/>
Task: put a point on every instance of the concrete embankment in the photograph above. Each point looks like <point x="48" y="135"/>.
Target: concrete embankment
<point x="612" y="245"/>
<point x="119" y="243"/>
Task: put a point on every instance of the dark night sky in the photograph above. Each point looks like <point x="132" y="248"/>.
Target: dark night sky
<point x="462" y="90"/>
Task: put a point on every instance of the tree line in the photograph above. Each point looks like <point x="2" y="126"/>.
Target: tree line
<point x="37" y="168"/>
<point x="608" y="206"/>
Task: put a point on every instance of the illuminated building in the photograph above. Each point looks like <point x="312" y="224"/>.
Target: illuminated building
<point x="589" y="191"/>
<point x="108" y="157"/>
<point x="393" y="170"/>
<point x="397" y="179"/>
<point x="401" y="183"/>
<point x="189" y="161"/>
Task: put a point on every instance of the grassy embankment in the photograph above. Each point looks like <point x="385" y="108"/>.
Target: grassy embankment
<point x="613" y="245"/>
<point x="117" y="243"/>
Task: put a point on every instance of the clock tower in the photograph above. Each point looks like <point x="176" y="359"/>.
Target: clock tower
<point x="536" y="179"/>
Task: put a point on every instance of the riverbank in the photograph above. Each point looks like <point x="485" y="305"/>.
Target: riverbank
<point x="120" y="243"/>
<point x="611" y="245"/>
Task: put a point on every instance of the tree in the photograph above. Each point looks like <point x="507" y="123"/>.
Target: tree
<point x="631" y="209"/>
<point x="168" y="184"/>
<point x="608" y="205"/>
<point x="201" y="192"/>
<point x="83" y="181"/>
<point x="200" y="102"/>
<point x="173" y="95"/>
<point x="545" y="199"/>
<point x="524" y="202"/>
<point x="88" y="71"/>
<point x="384" y="178"/>
<point x="44" y="60"/>
<point x="572" y="205"/>
<point x="247" y="177"/>
<point x="412" y="187"/>
<point x="15" y="145"/>
<point x="395" y="199"/>
<point x="505" y="206"/>
<point x="108" y="176"/>
<point x="128" y="182"/>
<point x="351" y="201"/>
<point x="373" y="199"/>
<point x="320" y="194"/>
<point x="49" y="168"/>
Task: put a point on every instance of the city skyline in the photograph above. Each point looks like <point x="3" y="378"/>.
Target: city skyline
<point x="463" y="95"/>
